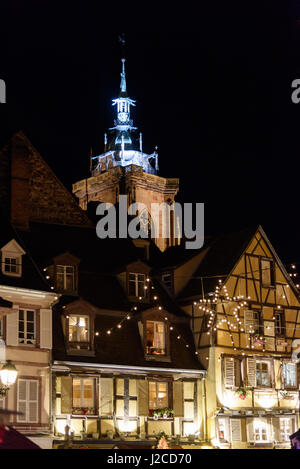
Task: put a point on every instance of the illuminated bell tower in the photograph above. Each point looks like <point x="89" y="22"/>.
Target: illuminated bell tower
<point x="123" y="168"/>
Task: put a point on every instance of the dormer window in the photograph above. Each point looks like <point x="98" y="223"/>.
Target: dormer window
<point x="65" y="272"/>
<point x="78" y="331"/>
<point x="12" y="259"/>
<point x="65" y="277"/>
<point x="137" y="284"/>
<point x="155" y="338"/>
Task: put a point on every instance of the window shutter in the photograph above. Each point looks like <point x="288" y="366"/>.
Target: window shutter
<point x="298" y="374"/>
<point x="251" y="372"/>
<point x="106" y="396"/>
<point x="250" y="432"/>
<point x="2" y="351"/>
<point x="33" y="401"/>
<point x="229" y="372"/>
<point x="66" y="394"/>
<point x="276" y="428"/>
<point x="22" y="394"/>
<point x="27" y="396"/>
<point x="141" y="331"/>
<point x="143" y="398"/>
<point x="178" y="405"/>
<point x="236" y="430"/>
<point x="46" y="328"/>
<point x="12" y="329"/>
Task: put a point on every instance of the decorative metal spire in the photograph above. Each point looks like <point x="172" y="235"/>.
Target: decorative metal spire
<point x="123" y="78"/>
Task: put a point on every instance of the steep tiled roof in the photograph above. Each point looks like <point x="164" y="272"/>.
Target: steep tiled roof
<point x="31" y="277"/>
<point x="221" y="257"/>
<point x="124" y="346"/>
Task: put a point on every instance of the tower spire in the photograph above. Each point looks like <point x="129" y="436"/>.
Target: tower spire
<point x="123" y="79"/>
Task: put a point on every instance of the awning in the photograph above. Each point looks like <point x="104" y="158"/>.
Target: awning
<point x="12" y="439"/>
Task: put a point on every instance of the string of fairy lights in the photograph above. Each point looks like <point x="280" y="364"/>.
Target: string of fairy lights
<point x="134" y="309"/>
<point x="216" y="320"/>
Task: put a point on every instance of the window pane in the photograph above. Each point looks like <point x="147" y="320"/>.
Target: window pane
<point x="76" y="393"/>
<point x="88" y="393"/>
<point x="30" y="315"/>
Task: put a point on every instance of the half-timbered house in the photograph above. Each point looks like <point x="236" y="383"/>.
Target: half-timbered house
<point x="244" y="312"/>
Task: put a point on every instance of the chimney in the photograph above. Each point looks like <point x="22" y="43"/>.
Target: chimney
<point x="20" y="192"/>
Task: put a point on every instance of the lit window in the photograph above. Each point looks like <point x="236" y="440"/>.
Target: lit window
<point x="263" y="377"/>
<point x="26" y="327"/>
<point x="251" y="321"/>
<point x="267" y="272"/>
<point x="290" y="375"/>
<point x="65" y="277"/>
<point x="155" y="338"/>
<point x="260" y="430"/>
<point x="285" y="429"/>
<point x="78" y="328"/>
<point x="158" y="395"/>
<point x="221" y="429"/>
<point x="84" y="393"/>
<point x="137" y="283"/>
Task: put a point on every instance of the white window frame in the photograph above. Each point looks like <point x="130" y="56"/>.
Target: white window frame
<point x="65" y="274"/>
<point x="284" y="366"/>
<point x="27" y="401"/>
<point x="12" y="250"/>
<point x="251" y="323"/>
<point x="262" y="423"/>
<point x="225" y="422"/>
<point x="258" y="361"/>
<point x="136" y="282"/>
<point x="17" y="264"/>
<point x="27" y="342"/>
<point x="287" y="429"/>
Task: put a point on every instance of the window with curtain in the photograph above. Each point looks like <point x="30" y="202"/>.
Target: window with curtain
<point x="158" y="395"/>
<point x="263" y="375"/>
<point x="78" y="328"/>
<point x="155" y="338"/>
<point x="84" y="394"/>
<point x="290" y="375"/>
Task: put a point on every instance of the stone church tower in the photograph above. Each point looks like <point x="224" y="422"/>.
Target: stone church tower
<point x="124" y="168"/>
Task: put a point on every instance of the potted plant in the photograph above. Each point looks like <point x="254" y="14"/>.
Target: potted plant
<point x="161" y="413"/>
<point x="242" y="393"/>
<point x="259" y="339"/>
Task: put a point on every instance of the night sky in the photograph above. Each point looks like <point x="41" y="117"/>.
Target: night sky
<point x="213" y="92"/>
